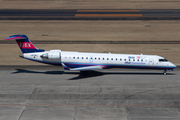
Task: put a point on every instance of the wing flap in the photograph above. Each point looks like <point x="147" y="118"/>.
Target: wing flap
<point x="88" y="68"/>
<point x="84" y="68"/>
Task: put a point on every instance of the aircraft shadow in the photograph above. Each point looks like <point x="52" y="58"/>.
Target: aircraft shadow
<point x="37" y="72"/>
<point x="89" y="74"/>
<point x="97" y="73"/>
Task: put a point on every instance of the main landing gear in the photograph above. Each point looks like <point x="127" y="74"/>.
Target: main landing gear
<point x="165" y="72"/>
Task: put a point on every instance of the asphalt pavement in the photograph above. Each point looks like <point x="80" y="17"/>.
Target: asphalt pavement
<point x="90" y="14"/>
<point x="118" y="94"/>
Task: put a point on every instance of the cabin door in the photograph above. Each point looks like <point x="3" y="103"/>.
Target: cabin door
<point x="151" y="61"/>
<point x="91" y="59"/>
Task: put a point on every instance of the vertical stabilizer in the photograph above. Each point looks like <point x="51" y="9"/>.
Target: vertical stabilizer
<point x="24" y="43"/>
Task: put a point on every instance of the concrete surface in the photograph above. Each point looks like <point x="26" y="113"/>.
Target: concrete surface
<point x="89" y="4"/>
<point x="93" y="30"/>
<point x="118" y="94"/>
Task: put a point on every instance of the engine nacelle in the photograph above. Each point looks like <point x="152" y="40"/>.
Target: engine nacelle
<point x="52" y="54"/>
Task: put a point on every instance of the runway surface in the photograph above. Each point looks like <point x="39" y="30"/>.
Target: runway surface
<point x="68" y="14"/>
<point x="41" y="93"/>
<point x="94" y="42"/>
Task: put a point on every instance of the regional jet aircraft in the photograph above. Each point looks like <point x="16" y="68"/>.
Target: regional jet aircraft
<point x="81" y="61"/>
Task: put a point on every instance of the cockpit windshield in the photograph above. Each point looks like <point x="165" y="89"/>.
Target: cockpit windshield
<point x="163" y="60"/>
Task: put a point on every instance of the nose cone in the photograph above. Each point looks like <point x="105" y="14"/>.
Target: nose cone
<point x="172" y="65"/>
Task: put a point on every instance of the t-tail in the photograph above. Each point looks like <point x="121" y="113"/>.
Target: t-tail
<point x="24" y="43"/>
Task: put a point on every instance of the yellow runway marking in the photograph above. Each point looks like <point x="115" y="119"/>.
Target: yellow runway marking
<point x="108" y="10"/>
<point x="108" y="15"/>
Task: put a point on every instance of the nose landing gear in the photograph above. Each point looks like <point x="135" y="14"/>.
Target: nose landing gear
<point x="165" y="72"/>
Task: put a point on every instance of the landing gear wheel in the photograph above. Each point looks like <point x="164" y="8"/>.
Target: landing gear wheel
<point x="165" y="72"/>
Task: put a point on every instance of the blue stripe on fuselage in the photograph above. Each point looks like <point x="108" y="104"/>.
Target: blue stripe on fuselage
<point x="77" y="65"/>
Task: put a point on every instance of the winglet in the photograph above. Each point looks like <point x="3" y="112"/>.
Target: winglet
<point x="65" y="67"/>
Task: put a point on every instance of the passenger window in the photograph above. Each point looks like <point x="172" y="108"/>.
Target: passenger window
<point x="111" y="58"/>
<point x="120" y="59"/>
<point x="86" y="57"/>
<point x="95" y="58"/>
<point x="142" y="60"/>
<point x="107" y="58"/>
<point x="77" y="57"/>
<point x="103" y="58"/>
<point x="73" y="57"/>
<point x="116" y="59"/>
<point x="133" y="59"/>
<point x="124" y="59"/>
<point x="138" y="60"/>
<point x="129" y="59"/>
<point x="82" y="57"/>
<point x="98" y="58"/>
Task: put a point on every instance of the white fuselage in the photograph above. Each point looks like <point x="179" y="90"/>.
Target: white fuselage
<point x="82" y="59"/>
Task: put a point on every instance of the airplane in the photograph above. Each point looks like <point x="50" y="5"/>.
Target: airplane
<point x="84" y="62"/>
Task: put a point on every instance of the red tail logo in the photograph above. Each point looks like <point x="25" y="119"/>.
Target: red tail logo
<point x="27" y="45"/>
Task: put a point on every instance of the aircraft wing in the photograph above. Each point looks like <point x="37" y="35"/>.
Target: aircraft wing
<point x="83" y="68"/>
